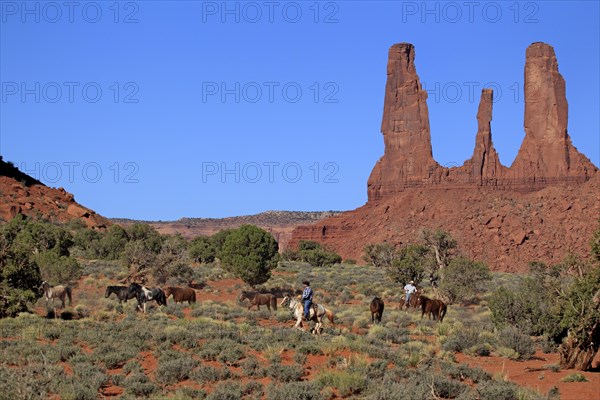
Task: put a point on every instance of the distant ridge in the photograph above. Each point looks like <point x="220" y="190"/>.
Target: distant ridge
<point x="279" y="223"/>
<point x="271" y="215"/>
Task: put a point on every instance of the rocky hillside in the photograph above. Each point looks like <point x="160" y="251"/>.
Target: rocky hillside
<point x="22" y="194"/>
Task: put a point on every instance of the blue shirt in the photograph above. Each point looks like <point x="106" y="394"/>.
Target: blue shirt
<point x="307" y="294"/>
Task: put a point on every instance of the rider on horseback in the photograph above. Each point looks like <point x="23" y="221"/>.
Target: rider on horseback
<point x="409" y="289"/>
<point x="307" y="296"/>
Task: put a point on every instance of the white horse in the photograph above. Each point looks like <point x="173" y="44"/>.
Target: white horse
<point x="56" y="292"/>
<point x="143" y="295"/>
<point x="317" y="312"/>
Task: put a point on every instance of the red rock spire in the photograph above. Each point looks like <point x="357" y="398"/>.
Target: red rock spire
<point x="408" y="158"/>
<point x="547" y="153"/>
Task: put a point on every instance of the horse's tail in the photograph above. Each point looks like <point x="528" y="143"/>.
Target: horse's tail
<point x="443" y="312"/>
<point x="274" y="303"/>
<point x="330" y="315"/>
<point x="68" y="290"/>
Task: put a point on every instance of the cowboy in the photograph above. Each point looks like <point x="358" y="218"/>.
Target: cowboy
<point x="307" y="296"/>
<point x="409" y="289"/>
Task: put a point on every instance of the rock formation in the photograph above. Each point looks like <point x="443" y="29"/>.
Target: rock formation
<point x="546" y="155"/>
<point x="408" y="158"/>
<point x="484" y="166"/>
<point x="503" y="216"/>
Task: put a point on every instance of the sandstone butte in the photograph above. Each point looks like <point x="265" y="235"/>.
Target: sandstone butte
<point x="543" y="206"/>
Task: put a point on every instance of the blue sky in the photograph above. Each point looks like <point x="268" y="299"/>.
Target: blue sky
<point x="160" y="110"/>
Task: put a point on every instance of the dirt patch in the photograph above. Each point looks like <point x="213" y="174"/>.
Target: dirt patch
<point x="535" y="374"/>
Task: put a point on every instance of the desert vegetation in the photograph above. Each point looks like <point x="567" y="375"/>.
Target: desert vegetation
<point x="218" y="349"/>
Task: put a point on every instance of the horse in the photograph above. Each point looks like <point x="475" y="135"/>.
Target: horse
<point x="317" y="312"/>
<point x="122" y="293"/>
<point x="259" y="299"/>
<point x="144" y="295"/>
<point x="180" y="294"/>
<point x="434" y="307"/>
<point x="412" y="302"/>
<point x="56" y="292"/>
<point x="376" y="306"/>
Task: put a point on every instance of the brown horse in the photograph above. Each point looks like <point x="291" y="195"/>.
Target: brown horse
<point x="434" y="307"/>
<point x="259" y="299"/>
<point x="413" y="302"/>
<point x="180" y="294"/>
<point x="376" y="306"/>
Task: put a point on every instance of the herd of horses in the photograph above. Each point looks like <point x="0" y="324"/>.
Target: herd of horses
<point x="432" y="307"/>
<point x="143" y="294"/>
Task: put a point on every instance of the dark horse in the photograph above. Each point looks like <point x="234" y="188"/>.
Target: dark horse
<point x="376" y="309"/>
<point x="181" y="294"/>
<point x="259" y="299"/>
<point x="413" y="302"/>
<point x="434" y="307"/>
<point x="122" y="293"/>
<point x="143" y="295"/>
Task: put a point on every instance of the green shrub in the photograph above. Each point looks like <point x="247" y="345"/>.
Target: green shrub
<point x="207" y="373"/>
<point x="250" y="253"/>
<point x="58" y="269"/>
<point x="175" y="370"/>
<point x="227" y="391"/>
<point x="380" y="255"/>
<point x="251" y="367"/>
<point x="346" y="383"/>
<point x="285" y="373"/>
<point x="202" y="249"/>
<point x="574" y="377"/>
<point x="294" y="390"/>
<point x="410" y="263"/>
<point x="513" y="339"/>
<point x="446" y="388"/>
<point x="493" y="390"/>
<point x="461" y="339"/>
<point x="463" y="279"/>
<point x="138" y="385"/>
